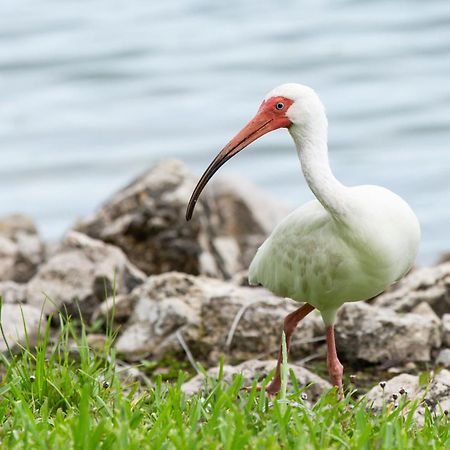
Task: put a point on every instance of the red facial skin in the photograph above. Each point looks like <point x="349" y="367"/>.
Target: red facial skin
<point x="268" y="108"/>
<point x="268" y="118"/>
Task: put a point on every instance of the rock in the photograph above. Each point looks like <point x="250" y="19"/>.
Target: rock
<point x="258" y="370"/>
<point x="439" y="389"/>
<point x="18" y="323"/>
<point x="246" y="213"/>
<point x="446" y="329"/>
<point x="430" y="285"/>
<point x="147" y="220"/>
<point x="405" y="381"/>
<point x="445" y="257"/>
<point x="240" y="278"/>
<point x="12" y="292"/>
<point x="372" y="334"/>
<point x="121" y="307"/>
<point x="424" y="309"/>
<point x="82" y="272"/>
<point x="211" y="316"/>
<point x="436" y="394"/>
<point x="21" y="250"/>
<point x="443" y="358"/>
<point x="407" y="367"/>
<point x="96" y="341"/>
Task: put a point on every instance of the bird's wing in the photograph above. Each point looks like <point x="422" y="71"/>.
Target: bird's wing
<point x="304" y="258"/>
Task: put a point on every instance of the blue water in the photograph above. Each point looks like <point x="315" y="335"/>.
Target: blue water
<point x="92" y="93"/>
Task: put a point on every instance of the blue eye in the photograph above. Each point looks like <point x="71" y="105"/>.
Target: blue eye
<point x="279" y="105"/>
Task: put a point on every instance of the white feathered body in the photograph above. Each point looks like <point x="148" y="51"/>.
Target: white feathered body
<point x="313" y="256"/>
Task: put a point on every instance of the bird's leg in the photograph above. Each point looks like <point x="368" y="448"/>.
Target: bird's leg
<point x="290" y="322"/>
<point x="335" y="368"/>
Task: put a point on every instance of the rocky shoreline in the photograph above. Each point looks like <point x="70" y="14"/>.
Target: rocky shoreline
<point x="178" y="290"/>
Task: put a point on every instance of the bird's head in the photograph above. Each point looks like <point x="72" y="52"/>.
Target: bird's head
<point x="292" y="106"/>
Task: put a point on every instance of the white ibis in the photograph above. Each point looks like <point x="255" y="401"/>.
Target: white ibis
<point x="349" y="244"/>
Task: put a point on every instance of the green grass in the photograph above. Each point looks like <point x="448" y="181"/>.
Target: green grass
<point x="63" y="395"/>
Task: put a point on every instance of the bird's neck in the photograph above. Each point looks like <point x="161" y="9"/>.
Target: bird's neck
<point x="312" y="148"/>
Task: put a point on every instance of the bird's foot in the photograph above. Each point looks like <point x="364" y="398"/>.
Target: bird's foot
<point x="271" y="389"/>
<point x="249" y="388"/>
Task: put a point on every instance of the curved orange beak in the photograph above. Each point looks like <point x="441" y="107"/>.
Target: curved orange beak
<point x="267" y="119"/>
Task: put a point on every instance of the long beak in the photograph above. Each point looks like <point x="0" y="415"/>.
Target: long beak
<point x="260" y="125"/>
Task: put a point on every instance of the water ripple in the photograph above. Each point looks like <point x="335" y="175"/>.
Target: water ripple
<point x="91" y="95"/>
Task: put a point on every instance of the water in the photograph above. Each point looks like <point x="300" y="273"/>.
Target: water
<point x="94" y="92"/>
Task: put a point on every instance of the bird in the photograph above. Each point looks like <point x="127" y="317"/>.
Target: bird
<point x="349" y="244"/>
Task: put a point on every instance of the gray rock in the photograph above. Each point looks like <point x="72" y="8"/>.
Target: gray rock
<point x="443" y="358"/>
<point x="18" y="323"/>
<point x="436" y="394"/>
<point x="409" y="383"/>
<point x="12" y="292"/>
<point x="424" y="309"/>
<point x="365" y="332"/>
<point x="120" y="306"/>
<point x="439" y="388"/>
<point x="246" y="213"/>
<point x="430" y="285"/>
<point x="211" y="316"/>
<point x="21" y="250"/>
<point x="258" y="370"/>
<point x="445" y="257"/>
<point x="82" y="272"/>
<point x="147" y="220"/>
<point x="446" y="329"/>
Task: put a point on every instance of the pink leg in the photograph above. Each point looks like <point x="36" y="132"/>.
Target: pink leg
<point x="290" y="323"/>
<point x="335" y="368"/>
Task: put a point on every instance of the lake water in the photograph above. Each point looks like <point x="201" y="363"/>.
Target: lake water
<point x="92" y="93"/>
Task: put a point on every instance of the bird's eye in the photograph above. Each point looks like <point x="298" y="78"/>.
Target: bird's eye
<point x="279" y="105"/>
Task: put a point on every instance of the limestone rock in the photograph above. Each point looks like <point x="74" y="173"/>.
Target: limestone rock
<point x="211" y="316"/>
<point x="443" y="358"/>
<point x="83" y="271"/>
<point x="21" y="250"/>
<point x="430" y="285"/>
<point x="405" y="381"/>
<point x="121" y="307"/>
<point x="18" y="322"/>
<point x="147" y="220"/>
<point x="444" y="257"/>
<point x="258" y="370"/>
<point x="12" y="292"/>
<point x="439" y="388"/>
<point x="446" y="329"/>
<point x="424" y="309"/>
<point x="246" y="213"/>
<point x="366" y="332"/>
<point x="436" y="394"/>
